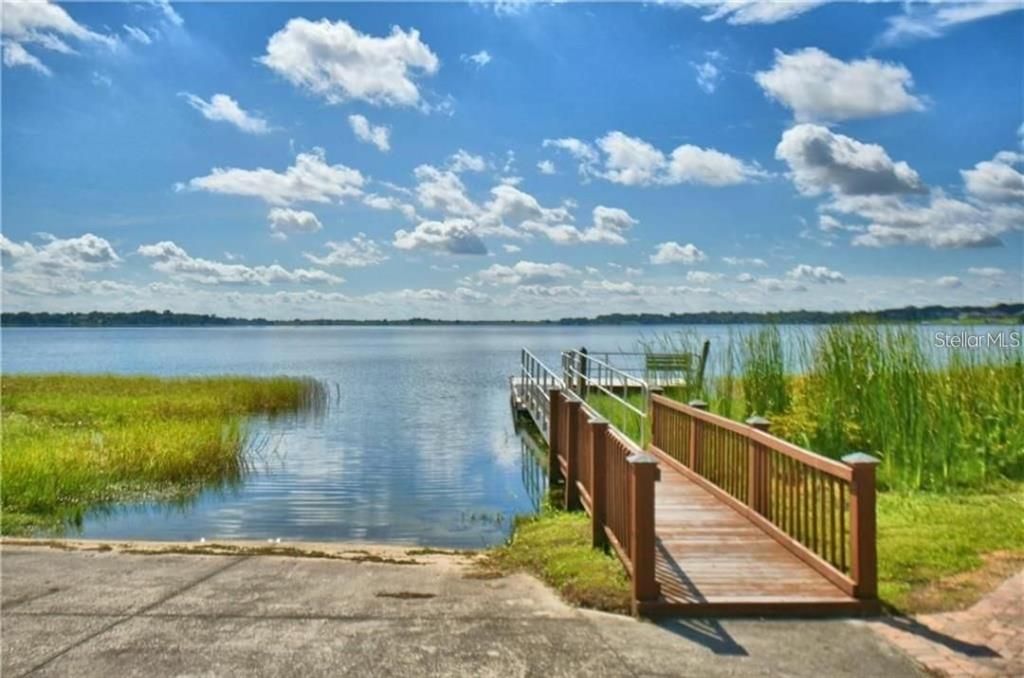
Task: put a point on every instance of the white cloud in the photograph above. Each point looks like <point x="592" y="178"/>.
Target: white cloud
<point x="822" y="160"/>
<point x="382" y="202"/>
<point x="359" y="252"/>
<point x="702" y="277"/>
<point x="745" y="261"/>
<point x="525" y="273"/>
<point x="137" y="34"/>
<point x="60" y="257"/>
<point x="609" y="227"/>
<point x="443" y="190"/>
<point x="583" y="152"/>
<point x="15" y="55"/>
<point x="546" y="167"/>
<point x="818" y="274"/>
<point x="949" y="281"/>
<point x="511" y="249"/>
<point x="464" y="161"/>
<point x="480" y="59"/>
<point x="673" y="253"/>
<point x="819" y="87"/>
<point x="634" y="162"/>
<point x="45" y="25"/>
<point x="745" y="278"/>
<point x="223" y="108"/>
<point x="986" y="272"/>
<point x="285" y="221"/>
<point x="996" y="180"/>
<point x="337" y="62"/>
<point x="742" y="12"/>
<point x="932" y="20"/>
<point x="170" y="15"/>
<point x="309" y="179"/>
<point x="171" y="259"/>
<point x="453" y="236"/>
<point x="707" y="76"/>
<point x="378" y="135"/>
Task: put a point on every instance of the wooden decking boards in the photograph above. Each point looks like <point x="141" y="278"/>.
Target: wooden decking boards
<point x="712" y="560"/>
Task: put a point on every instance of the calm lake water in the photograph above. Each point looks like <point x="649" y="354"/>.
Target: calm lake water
<point x="418" y="446"/>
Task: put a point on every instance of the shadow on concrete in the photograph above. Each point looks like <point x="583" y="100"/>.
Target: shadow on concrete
<point x="908" y="625"/>
<point x="707" y="632"/>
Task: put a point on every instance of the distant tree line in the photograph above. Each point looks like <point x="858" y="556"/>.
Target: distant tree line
<point x="999" y="313"/>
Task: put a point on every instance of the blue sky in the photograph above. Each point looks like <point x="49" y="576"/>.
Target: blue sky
<point x="510" y="161"/>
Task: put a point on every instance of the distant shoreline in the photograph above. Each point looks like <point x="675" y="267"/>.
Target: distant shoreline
<point x="996" y="314"/>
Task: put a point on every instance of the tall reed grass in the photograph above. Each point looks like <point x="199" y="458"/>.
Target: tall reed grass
<point x="937" y="420"/>
<point x="72" y="442"/>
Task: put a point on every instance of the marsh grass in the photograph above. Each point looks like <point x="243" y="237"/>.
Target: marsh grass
<point x="75" y="442"/>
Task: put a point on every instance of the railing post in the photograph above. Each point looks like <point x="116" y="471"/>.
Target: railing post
<point x="598" y="461"/>
<point x="651" y="392"/>
<point x="694" y="443"/>
<point x="571" y="423"/>
<point x="643" y="472"/>
<point x="554" y="432"/>
<point x="863" y="548"/>
<point x="755" y="467"/>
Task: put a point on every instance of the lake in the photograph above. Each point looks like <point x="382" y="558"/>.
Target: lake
<point x="418" y="446"/>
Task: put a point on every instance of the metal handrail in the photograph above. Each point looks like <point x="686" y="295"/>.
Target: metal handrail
<point x="537" y="380"/>
<point x="607" y="378"/>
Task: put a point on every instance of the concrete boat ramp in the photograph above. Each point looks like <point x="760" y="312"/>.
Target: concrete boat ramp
<point x="94" y="609"/>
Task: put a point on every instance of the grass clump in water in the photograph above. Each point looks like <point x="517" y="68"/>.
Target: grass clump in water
<point x="555" y="546"/>
<point x="74" y="442"/>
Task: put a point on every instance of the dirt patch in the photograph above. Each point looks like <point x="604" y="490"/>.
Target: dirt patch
<point x="960" y="591"/>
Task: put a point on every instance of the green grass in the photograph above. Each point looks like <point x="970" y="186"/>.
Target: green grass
<point x="927" y="539"/>
<point x="555" y="547"/>
<point x="75" y="442"/>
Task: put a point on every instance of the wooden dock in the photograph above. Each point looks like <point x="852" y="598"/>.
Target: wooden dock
<point x="714" y="517"/>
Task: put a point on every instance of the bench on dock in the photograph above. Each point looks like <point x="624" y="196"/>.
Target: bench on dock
<point x="662" y="369"/>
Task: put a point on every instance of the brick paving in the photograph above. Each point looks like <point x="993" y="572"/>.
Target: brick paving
<point x="986" y="639"/>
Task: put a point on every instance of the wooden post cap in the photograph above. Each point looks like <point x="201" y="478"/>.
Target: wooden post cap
<point x="699" y="404"/>
<point x="641" y="458"/>
<point x="760" y="423"/>
<point x="858" y="458"/>
<point x="657" y="389"/>
<point x="596" y="419"/>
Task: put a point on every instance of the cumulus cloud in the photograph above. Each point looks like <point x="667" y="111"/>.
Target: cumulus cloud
<point x="480" y="59"/>
<point x="443" y="190"/>
<point x="378" y="135"/>
<point x="359" y="252"/>
<point x="68" y="257"/>
<point x="452" y="236"/>
<point x="610" y="225"/>
<point x="388" y="202"/>
<point x="546" y="167"/>
<point x="949" y="281"/>
<point x="707" y="75"/>
<point x="703" y="277"/>
<point x="996" y="180"/>
<point x="464" y="161"/>
<point x="337" y="62"/>
<point x="673" y="253"/>
<point x="285" y="221"/>
<point x="817" y="274"/>
<point x="44" y="25"/>
<point x="819" y="87"/>
<point x="309" y="179"/>
<point x="174" y="261"/>
<point x="821" y="160"/>
<point x="525" y="273"/>
<point x="631" y="161"/>
<point x="986" y="271"/>
<point x="223" y="108"/>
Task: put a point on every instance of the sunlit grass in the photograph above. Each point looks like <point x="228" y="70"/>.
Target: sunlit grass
<point x="72" y="442"/>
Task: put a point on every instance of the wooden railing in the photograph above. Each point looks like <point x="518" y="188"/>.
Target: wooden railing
<point x="822" y="510"/>
<point x="612" y="479"/>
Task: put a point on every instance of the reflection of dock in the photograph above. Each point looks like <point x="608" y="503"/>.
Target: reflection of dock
<point x="535" y="475"/>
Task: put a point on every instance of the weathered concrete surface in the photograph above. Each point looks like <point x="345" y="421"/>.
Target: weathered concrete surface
<point x="104" y="613"/>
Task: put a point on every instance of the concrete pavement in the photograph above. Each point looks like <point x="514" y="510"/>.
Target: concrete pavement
<point x="92" y="610"/>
